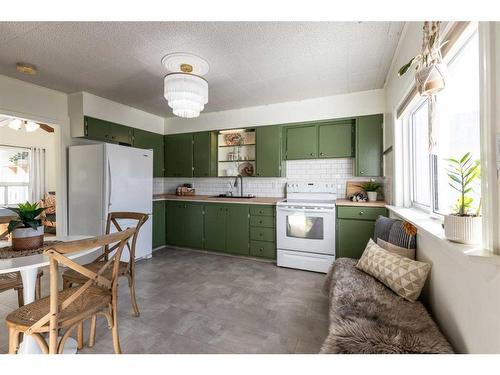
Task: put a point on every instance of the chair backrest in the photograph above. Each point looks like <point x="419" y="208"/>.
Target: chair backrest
<point x="112" y="221"/>
<point x="57" y="254"/>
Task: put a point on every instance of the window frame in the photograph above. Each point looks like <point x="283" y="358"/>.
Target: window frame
<point x="6" y="185"/>
<point x="433" y="208"/>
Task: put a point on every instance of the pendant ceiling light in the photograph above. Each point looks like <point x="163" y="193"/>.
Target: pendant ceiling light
<point x="185" y="89"/>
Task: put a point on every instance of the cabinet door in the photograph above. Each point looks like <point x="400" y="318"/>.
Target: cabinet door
<point x="268" y="151"/>
<point x="352" y="237"/>
<point x="120" y="134"/>
<point x="192" y="222"/>
<point x="369" y="146"/>
<point x="237" y="229"/>
<point x="179" y="155"/>
<point x="149" y="140"/>
<point x="171" y="147"/>
<point x="96" y="129"/>
<point x="215" y="227"/>
<point x="174" y="223"/>
<point x="204" y="154"/>
<point x="335" y="140"/>
<point x="301" y="142"/>
<point x="159" y="227"/>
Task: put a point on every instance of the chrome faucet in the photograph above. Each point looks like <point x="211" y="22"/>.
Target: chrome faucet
<point x="241" y="183"/>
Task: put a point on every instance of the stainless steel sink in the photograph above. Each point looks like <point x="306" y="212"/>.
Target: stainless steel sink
<point x="233" y="196"/>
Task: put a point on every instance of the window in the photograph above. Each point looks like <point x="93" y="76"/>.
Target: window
<point x="458" y="132"/>
<point x="14" y="175"/>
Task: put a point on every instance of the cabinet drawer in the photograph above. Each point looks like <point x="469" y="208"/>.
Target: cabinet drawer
<point x="262" y="234"/>
<point x="262" y="221"/>
<point x="263" y="249"/>
<point x="360" y="213"/>
<point x="262" y="210"/>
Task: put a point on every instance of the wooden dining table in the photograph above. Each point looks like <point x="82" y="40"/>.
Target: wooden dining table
<point x="28" y="266"/>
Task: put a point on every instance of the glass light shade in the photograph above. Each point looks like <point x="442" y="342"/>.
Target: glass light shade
<point x="31" y="126"/>
<point x="15" y="124"/>
<point x="186" y="94"/>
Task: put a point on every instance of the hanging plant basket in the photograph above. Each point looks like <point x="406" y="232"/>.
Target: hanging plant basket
<point x="431" y="79"/>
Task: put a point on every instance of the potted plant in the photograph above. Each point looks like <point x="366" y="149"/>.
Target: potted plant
<point x="463" y="225"/>
<point x="27" y="229"/>
<point x="371" y="187"/>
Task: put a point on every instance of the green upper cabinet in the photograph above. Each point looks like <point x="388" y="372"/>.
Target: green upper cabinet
<point x="268" y="151"/>
<point x="101" y="130"/>
<point x="121" y="134"/>
<point x="335" y="140"/>
<point x="154" y="141"/>
<point x="205" y="154"/>
<point x="96" y="129"/>
<point x="179" y="155"/>
<point x="369" y="135"/>
<point x="159" y="225"/>
<point x="301" y="142"/>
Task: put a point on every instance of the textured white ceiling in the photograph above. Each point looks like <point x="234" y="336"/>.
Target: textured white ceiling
<point x="251" y="63"/>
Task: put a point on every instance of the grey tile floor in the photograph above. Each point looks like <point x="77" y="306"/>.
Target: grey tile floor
<point x="196" y="302"/>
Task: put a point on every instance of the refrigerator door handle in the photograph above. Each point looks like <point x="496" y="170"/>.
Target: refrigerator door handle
<point x="110" y="187"/>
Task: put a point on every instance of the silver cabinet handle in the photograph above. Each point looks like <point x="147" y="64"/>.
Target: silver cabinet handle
<point x="361" y="213"/>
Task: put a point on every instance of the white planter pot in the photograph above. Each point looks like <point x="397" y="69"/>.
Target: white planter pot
<point x="463" y="229"/>
<point x="372" y="196"/>
<point x="27" y="238"/>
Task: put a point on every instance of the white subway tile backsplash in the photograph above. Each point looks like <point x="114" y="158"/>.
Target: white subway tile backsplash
<point x="336" y="171"/>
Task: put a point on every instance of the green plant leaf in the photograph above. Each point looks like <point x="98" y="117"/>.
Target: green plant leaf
<point x="451" y="160"/>
<point x="405" y="67"/>
<point x="465" y="157"/>
<point x="455" y="178"/>
<point x="13" y="224"/>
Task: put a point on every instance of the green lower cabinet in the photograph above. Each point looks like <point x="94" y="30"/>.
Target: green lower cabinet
<point x="215" y="227"/>
<point x="263" y="249"/>
<point x="159" y="225"/>
<point x="185" y="224"/>
<point x="354" y="227"/>
<point x="237" y="229"/>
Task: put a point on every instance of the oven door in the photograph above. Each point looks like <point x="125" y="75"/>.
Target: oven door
<point x="306" y="229"/>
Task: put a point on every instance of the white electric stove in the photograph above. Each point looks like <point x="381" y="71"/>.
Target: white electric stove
<point x="305" y="227"/>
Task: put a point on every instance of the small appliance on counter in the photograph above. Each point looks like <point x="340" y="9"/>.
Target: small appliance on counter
<point x="305" y="227"/>
<point x="186" y="189"/>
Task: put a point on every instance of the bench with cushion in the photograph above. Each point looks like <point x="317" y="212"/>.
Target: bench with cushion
<point x="368" y="317"/>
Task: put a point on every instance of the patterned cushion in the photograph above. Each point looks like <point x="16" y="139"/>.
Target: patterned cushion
<point x="404" y="252"/>
<point x="395" y="236"/>
<point x="404" y="276"/>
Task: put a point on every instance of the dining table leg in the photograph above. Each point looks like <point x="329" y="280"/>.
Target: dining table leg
<point x="29" y="345"/>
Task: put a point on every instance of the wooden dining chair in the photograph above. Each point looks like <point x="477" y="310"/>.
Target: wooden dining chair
<point x="12" y="280"/>
<point x="67" y="309"/>
<point x="127" y="269"/>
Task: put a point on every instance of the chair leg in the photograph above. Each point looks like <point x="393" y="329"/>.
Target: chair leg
<point x="131" y="285"/>
<point x="92" y="331"/>
<point x="13" y="340"/>
<point x="79" y="336"/>
<point x="20" y="297"/>
<point x="114" y="330"/>
<point x="38" y="289"/>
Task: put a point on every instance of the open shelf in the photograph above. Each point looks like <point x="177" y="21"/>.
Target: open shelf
<point x="232" y="156"/>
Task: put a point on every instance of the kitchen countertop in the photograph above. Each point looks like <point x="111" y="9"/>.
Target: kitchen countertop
<point x="347" y="202"/>
<point x="208" y="198"/>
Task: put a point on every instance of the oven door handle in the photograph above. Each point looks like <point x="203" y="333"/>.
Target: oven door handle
<point x="308" y="210"/>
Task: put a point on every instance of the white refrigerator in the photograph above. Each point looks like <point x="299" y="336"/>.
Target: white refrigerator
<point x="104" y="178"/>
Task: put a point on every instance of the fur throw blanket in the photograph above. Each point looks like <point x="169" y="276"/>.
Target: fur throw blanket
<point x="367" y="317"/>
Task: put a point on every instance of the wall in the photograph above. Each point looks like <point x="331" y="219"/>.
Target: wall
<point x="83" y="103"/>
<point x="462" y="294"/>
<point x="336" y="171"/>
<point x="28" y="101"/>
<point x="39" y="138"/>
<point x="338" y="106"/>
